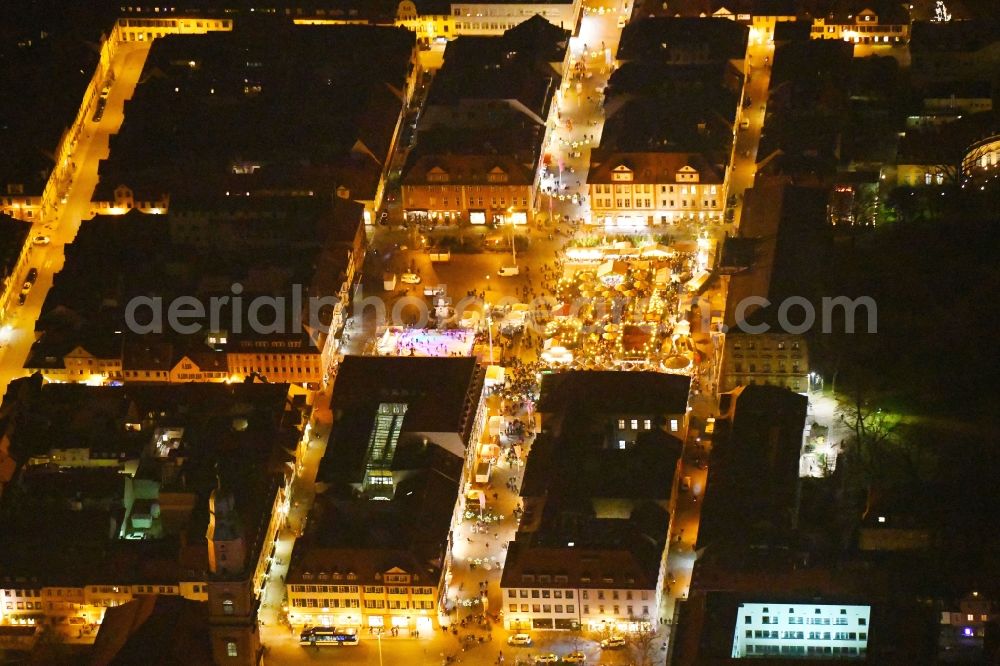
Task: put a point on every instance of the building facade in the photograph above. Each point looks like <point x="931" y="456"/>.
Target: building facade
<point x="15" y="254"/>
<point x="493" y="18"/>
<point x="363" y="598"/>
<point x="651" y="189"/>
<point x="466" y="189"/>
<point x="805" y="630"/>
<point x="861" y="28"/>
<point x="777" y="359"/>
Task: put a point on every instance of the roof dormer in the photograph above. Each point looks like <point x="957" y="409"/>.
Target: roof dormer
<point x="437" y="175"/>
<point x="622" y="173"/>
<point x="688" y="174"/>
<point x="497" y="175"/>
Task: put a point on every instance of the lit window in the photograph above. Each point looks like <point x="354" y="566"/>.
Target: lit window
<point x="674" y="425"/>
<point x="227" y="606"/>
<point x="231" y="650"/>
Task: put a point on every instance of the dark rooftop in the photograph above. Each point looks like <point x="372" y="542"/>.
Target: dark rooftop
<point x="441" y="395"/>
<point x="237" y="432"/>
<point x="157" y="630"/>
<point x="683" y="40"/>
<point x="13" y="236"/>
<point x="298" y="127"/>
<point x="48" y="54"/>
<point x="752" y="492"/>
<point x="514" y="66"/>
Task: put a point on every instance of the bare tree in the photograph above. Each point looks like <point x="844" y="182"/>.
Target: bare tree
<point x="643" y="641"/>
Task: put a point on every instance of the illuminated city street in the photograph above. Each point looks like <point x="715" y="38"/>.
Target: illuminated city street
<point x="418" y="333"/>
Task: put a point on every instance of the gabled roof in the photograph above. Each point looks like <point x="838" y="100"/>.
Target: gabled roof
<point x="652" y="167"/>
<point x="157" y="630"/>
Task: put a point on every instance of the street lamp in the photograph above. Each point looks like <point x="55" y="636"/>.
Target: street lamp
<point x="513" y="250"/>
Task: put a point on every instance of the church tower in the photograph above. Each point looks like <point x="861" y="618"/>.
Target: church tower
<point x="232" y="606"/>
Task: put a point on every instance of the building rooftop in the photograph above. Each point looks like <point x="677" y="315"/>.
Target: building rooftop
<point x="154" y="629"/>
<point x="321" y="124"/>
<point x="13" y="236"/>
<point x="48" y="54"/>
<point x="466" y="156"/>
<point x="72" y="522"/>
<point x="577" y="393"/>
<point x="786" y="226"/>
<point x="441" y="396"/>
<point x="958" y="36"/>
<point x="752" y="494"/>
<point x="630" y="566"/>
<point x="660" y="167"/>
<point x="683" y="40"/>
<point x="514" y="67"/>
<point x="268" y="245"/>
<point x="389" y="480"/>
<point x="579" y="411"/>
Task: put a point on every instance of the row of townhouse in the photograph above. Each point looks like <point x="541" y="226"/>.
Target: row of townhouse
<point x="26" y="603"/>
<point x="293" y="361"/>
<point x="647" y="189"/>
<point x="363" y="597"/>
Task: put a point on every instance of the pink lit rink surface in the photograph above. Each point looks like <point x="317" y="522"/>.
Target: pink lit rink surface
<point x="398" y="341"/>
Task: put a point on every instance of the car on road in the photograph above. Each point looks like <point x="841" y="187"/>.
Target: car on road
<point x="745" y="124"/>
<point x="32" y="275"/>
<point x="613" y="643"/>
<point x="22" y="297"/>
<point x="549" y="658"/>
<point x="508" y="271"/>
<point x="409" y="278"/>
<point x="41" y="239"/>
<point x="622" y="21"/>
<point x="520" y="640"/>
<point x="99" y="111"/>
<point x="576" y="657"/>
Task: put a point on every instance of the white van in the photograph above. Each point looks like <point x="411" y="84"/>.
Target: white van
<point x="508" y="271"/>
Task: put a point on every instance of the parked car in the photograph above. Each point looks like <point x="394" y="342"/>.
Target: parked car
<point x="409" y="278"/>
<point x="523" y="640"/>
<point x="41" y="240"/>
<point x="613" y="643"/>
<point x="576" y="657"/>
<point x="549" y="658"/>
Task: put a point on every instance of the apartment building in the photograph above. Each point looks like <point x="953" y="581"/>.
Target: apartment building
<point x="572" y="588"/>
<point x="480" y="136"/>
<point x="119" y="476"/>
<point x="346" y="587"/>
<point x="590" y="551"/>
<point x="378" y="541"/>
<point x="650" y="189"/>
<point x="775" y="359"/>
<point x="494" y="17"/>
<point x="864" y="27"/>
<point x="15" y="251"/>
